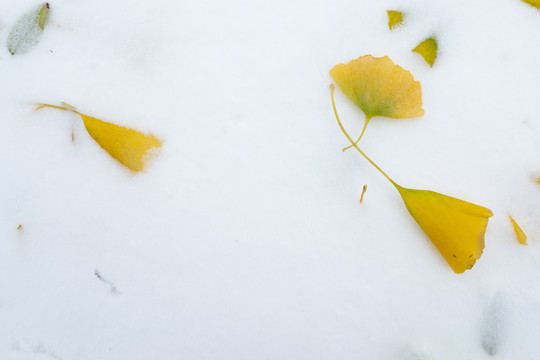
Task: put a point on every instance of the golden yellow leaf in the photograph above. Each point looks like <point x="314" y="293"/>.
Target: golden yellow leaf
<point x="521" y="237"/>
<point x="130" y="147"/>
<point x="379" y="88"/>
<point x="395" y="18"/>
<point x="428" y="50"/>
<point x="454" y="226"/>
<point x="535" y="3"/>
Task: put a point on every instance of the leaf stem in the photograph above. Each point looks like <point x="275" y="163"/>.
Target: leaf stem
<point x="361" y="134"/>
<point x="354" y="144"/>
<point x="364" y="189"/>
<point x="66" y="108"/>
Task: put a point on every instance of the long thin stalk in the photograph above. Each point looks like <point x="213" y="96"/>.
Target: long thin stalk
<point x="354" y="144"/>
<point x="361" y="134"/>
<point x="66" y="108"/>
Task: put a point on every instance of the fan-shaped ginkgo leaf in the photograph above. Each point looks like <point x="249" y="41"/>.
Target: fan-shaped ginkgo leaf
<point x="130" y="147"/>
<point x="521" y="237"/>
<point x="428" y="50"/>
<point x="454" y="226"/>
<point x="26" y="33"/>
<point x="395" y="18"/>
<point x="380" y="88"/>
<point x="535" y="3"/>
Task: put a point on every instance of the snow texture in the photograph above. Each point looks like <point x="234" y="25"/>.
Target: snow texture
<point x="245" y="238"/>
<point x="493" y="325"/>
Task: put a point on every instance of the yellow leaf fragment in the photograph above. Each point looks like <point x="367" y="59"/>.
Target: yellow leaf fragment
<point x="455" y="227"/>
<point x="521" y="237"/>
<point x="395" y="18"/>
<point x="428" y="50"/>
<point x="130" y="147"/>
<point x="535" y="3"/>
<point x="379" y="87"/>
<point x="19" y="227"/>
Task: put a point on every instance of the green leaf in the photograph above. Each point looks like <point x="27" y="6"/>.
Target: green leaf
<point x="395" y="18"/>
<point x="26" y="33"/>
<point x="428" y="50"/>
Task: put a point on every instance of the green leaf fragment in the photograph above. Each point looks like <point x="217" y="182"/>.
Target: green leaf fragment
<point x="395" y="18"/>
<point x="26" y="33"/>
<point x="428" y="50"/>
<point x="42" y="15"/>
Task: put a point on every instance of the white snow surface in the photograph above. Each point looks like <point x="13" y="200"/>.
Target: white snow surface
<point x="245" y="238"/>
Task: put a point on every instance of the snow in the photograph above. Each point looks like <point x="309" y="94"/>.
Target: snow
<point x="245" y="238"/>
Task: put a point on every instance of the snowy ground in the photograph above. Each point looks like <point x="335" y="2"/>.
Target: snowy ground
<point x="245" y="238"/>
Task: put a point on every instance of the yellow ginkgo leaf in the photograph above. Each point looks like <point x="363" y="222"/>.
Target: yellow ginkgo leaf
<point x="535" y="3"/>
<point x="379" y="88"/>
<point x="128" y="146"/>
<point x="455" y="227"/>
<point x="521" y="237"/>
<point x="395" y="18"/>
<point x="428" y="50"/>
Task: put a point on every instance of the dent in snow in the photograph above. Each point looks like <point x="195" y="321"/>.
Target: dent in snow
<point x="492" y="325"/>
<point x="28" y="346"/>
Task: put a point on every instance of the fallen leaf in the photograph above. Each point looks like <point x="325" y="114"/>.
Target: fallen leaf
<point x="395" y="18"/>
<point x="428" y="50"/>
<point x="130" y="147"/>
<point x="379" y="88"/>
<point x="27" y="31"/>
<point x="521" y="237"/>
<point x="454" y="226"/>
